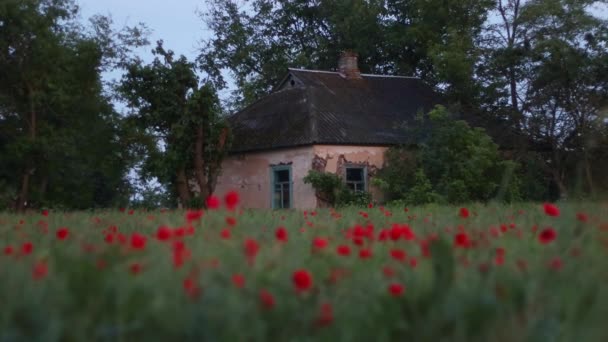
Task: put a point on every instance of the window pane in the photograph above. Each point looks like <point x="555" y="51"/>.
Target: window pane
<point x="277" y="199"/>
<point x="354" y="174"/>
<point x="351" y="185"/>
<point x="281" y="188"/>
<point x="285" y="203"/>
<point x="281" y="176"/>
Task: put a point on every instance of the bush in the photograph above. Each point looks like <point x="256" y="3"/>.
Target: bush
<point x="454" y="164"/>
<point x="330" y="189"/>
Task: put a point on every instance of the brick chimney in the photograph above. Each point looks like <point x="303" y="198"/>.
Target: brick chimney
<point x="348" y="66"/>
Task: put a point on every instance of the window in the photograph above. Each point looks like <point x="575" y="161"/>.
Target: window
<point x="355" y="178"/>
<point x="281" y="188"/>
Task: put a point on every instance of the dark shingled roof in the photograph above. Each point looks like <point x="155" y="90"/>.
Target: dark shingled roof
<point x="318" y="107"/>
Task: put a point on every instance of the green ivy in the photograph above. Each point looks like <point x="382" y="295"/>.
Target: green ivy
<point x="330" y="188"/>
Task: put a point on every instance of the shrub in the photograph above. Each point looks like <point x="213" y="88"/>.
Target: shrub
<point x="455" y="163"/>
<point x="330" y="189"/>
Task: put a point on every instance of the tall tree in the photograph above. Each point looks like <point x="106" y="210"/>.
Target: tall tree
<point x="60" y="141"/>
<point x="179" y="122"/>
<point x="256" y="43"/>
<point x="544" y="70"/>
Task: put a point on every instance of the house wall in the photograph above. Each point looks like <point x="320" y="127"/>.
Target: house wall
<point x="333" y="158"/>
<point x="250" y="175"/>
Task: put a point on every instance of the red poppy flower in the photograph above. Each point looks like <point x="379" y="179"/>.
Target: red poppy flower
<point x="326" y="315"/>
<point x="62" y="233"/>
<point x="109" y="238"/>
<point x="27" y="248"/>
<point x="231" y="199"/>
<point x="213" y="202"/>
<point x="179" y="232"/>
<point x="398" y="254"/>
<point x="163" y="233"/>
<point x="547" y="235"/>
<point x="425" y="248"/>
<point x="40" y="270"/>
<point x="226" y="234"/>
<point x="266" y="300"/>
<point x="551" y="209"/>
<point x="281" y="234"/>
<point x="251" y="248"/>
<point x="238" y="280"/>
<point x="45" y="213"/>
<point x="365" y="253"/>
<point x="302" y="280"/>
<point x="396" y="289"/>
<point x="464" y="213"/>
<point x="191" y="287"/>
<point x="8" y="250"/>
<point x="413" y="262"/>
<point x="343" y="250"/>
<point x="135" y="268"/>
<point x="499" y="260"/>
<point x="319" y="243"/>
<point x="193" y="215"/>
<point x="131" y="212"/>
<point x="231" y="221"/>
<point x="462" y="240"/>
<point x="388" y="272"/>
<point x="138" y="241"/>
<point x="556" y="264"/>
<point x="582" y="217"/>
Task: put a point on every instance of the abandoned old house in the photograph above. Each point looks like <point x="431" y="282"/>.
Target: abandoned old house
<point x="340" y="122"/>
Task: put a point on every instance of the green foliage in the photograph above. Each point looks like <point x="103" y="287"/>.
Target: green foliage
<point x="171" y="109"/>
<point x="331" y="189"/>
<point x="348" y="197"/>
<point x="397" y="175"/>
<point x="422" y="190"/>
<point x="327" y="185"/>
<point x="258" y="40"/>
<point x="455" y="164"/>
<point x="60" y="137"/>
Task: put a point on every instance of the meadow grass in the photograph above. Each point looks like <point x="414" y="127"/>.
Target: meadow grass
<point x="483" y="277"/>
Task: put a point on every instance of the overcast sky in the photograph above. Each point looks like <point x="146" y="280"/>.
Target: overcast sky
<point x="176" y="22"/>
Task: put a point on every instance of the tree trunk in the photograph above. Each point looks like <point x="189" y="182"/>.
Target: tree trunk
<point x="559" y="181"/>
<point x="215" y="166"/>
<point x="199" y="164"/>
<point x="182" y="187"/>
<point x="588" y="174"/>
<point x="21" y="201"/>
<point x="22" y="198"/>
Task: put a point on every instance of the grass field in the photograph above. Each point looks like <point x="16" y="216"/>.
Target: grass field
<point x="436" y="273"/>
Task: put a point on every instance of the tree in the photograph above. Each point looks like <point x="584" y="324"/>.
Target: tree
<point x="543" y="69"/>
<point x="177" y="124"/>
<point x="60" y="135"/>
<point x="256" y="43"/>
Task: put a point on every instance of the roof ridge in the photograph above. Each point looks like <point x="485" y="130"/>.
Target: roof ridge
<point x="313" y="70"/>
<point x="368" y="75"/>
<point x="391" y="76"/>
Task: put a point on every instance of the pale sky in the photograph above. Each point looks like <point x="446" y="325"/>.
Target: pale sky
<point x="174" y="21"/>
